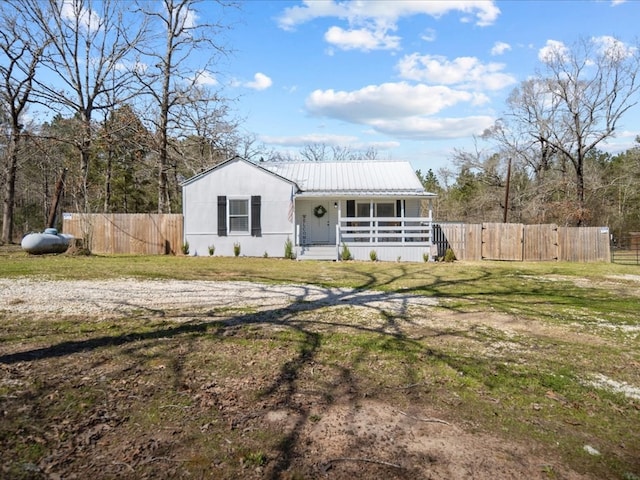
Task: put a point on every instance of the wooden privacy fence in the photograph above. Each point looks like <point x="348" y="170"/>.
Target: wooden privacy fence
<point x="160" y="234"/>
<point x="518" y="242"/>
<point x="138" y="233"/>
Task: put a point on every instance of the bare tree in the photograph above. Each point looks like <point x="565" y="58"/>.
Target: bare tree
<point x="169" y="79"/>
<point x="248" y="147"/>
<point x="479" y="187"/>
<point x="577" y="103"/>
<point x="318" y="152"/>
<point x="208" y="135"/>
<point x="21" y="55"/>
<point x="89" y="45"/>
<point x="314" y="152"/>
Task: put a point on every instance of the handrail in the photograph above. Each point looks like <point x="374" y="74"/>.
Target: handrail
<point x="387" y="230"/>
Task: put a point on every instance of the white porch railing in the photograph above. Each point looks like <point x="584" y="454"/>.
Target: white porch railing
<point x="384" y="230"/>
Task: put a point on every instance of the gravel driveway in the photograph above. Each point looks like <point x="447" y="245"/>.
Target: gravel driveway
<point x="118" y="297"/>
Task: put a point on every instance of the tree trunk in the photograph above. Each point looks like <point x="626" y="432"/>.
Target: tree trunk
<point x="107" y="182"/>
<point x="164" y="205"/>
<point x="579" y="166"/>
<point x="9" y="198"/>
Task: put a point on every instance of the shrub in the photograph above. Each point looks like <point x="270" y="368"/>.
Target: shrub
<point x="345" y="254"/>
<point x="288" y="250"/>
<point x="425" y="257"/>
<point x="373" y="256"/>
<point x="185" y="248"/>
<point x="449" y="256"/>
<point x="236" y="249"/>
<point x="212" y="250"/>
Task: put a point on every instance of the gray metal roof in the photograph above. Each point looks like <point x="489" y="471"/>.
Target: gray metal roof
<point x="351" y="177"/>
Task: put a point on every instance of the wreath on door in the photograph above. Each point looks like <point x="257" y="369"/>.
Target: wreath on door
<point x="319" y="211"/>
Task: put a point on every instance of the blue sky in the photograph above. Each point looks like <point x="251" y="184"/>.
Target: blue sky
<point x="413" y="79"/>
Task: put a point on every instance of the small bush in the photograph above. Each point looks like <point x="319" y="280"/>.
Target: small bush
<point x="255" y="459"/>
<point x="265" y="254"/>
<point x="288" y="250"/>
<point x="345" y="254"/>
<point x="185" y="248"/>
<point x="77" y="248"/>
<point x="425" y="257"/>
<point x="212" y="250"/>
<point x="236" y="249"/>
<point x="373" y="256"/>
<point x="449" y="256"/>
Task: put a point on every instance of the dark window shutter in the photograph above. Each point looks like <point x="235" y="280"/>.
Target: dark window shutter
<point x="256" y="229"/>
<point x="398" y="208"/>
<point x="222" y="216"/>
<point x="351" y="208"/>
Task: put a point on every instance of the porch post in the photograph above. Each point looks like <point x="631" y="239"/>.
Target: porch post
<point x="431" y="221"/>
<point x="339" y="224"/>
<point x="373" y="224"/>
<point x="403" y="223"/>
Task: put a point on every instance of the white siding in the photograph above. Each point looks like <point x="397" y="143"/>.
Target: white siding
<point x="236" y="179"/>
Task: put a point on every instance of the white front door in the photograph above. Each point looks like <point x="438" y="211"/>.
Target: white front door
<point x="317" y="227"/>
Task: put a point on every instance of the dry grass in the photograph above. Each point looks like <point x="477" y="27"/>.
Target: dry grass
<point x="506" y="359"/>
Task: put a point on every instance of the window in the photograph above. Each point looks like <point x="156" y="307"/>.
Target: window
<point x="363" y="209"/>
<point x="237" y="221"/>
<point x="385" y="210"/>
<point x="238" y="215"/>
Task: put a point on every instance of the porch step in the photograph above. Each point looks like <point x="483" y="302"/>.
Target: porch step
<point x="318" y="252"/>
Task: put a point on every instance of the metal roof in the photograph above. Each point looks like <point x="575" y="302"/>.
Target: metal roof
<point x="373" y="177"/>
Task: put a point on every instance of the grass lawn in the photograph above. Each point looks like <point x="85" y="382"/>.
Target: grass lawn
<point x="535" y="365"/>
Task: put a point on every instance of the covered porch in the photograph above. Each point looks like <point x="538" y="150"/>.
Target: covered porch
<point x="395" y="229"/>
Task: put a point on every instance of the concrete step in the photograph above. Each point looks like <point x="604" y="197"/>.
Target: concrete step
<point x="318" y="252"/>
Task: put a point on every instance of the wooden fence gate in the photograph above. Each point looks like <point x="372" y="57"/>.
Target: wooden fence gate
<point x="502" y="241"/>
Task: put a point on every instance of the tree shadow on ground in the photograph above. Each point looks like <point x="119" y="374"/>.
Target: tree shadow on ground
<point x="390" y="331"/>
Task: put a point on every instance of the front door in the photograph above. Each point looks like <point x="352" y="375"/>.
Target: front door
<point x="318" y="225"/>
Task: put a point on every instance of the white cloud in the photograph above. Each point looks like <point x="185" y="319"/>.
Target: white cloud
<point x="401" y="110"/>
<point x="553" y="50"/>
<point x="606" y="46"/>
<point x="299" y="141"/>
<point x="309" y="139"/>
<point x="205" y="78"/>
<point x="310" y="10"/>
<point x="623" y="140"/>
<point x="370" y="22"/>
<point x="356" y="12"/>
<point x="260" y="82"/>
<point x="420" y="128"/>
<point x="499" y="48"/>
<point x="389" y="100"/>
<point x="429" y="35"/>
<point x="70" y="10"/>
<point x="462" y="71"/>
<point x="613" y="48"/>
<point x="615" y="3"/>
<point x="361" y="39"/>
<point x="189" y="18"/>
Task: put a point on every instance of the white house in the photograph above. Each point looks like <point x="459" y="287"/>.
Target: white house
<point x="320" y="207"/>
